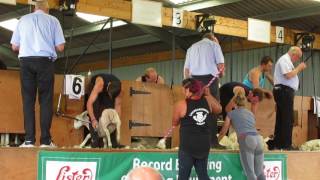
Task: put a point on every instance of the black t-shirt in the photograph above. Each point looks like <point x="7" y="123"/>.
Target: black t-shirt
<point x="194" y="128"/>
<point x="103" y="100"/>
<point x="226" y="94"/>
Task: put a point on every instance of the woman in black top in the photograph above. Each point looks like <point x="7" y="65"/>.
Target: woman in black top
<point x="193" y="115"/>
<point x="104" y="93"/>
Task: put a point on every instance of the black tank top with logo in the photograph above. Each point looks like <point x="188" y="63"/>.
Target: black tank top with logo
<point x="194" y="128"/>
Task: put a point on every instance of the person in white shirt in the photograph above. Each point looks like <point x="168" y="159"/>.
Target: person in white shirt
<point x="205" y="60"/>
<point x="286" y="82"/>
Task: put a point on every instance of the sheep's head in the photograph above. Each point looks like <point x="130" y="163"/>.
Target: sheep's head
<point x="83" y="117"/>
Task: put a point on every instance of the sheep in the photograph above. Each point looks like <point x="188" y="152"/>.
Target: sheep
<point x="108" y="122"/>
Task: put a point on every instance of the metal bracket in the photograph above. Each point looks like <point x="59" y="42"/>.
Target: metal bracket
<point x="205" y="23"/>
<point x="137" y="124"/>
<point x="132" y="92"/>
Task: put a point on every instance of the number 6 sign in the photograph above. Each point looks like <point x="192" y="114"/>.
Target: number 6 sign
<point x="74" y="86"/>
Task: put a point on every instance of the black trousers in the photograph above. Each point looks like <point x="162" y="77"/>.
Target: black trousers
<point x="284" y="98"/>
<point x="214" y="90"/>
<point x="37" y="75"/>
<point x="186" y="162"/>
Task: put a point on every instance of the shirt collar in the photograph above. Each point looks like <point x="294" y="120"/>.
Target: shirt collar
<point x="39" y="11"/>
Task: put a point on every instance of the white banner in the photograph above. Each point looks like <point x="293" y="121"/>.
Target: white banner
<point x="273" y="170"/>
<point x="259" y="30"/>
<point x="147" y="12"/>
<point x="13" y="2"/>
<point x="60" y="170"/>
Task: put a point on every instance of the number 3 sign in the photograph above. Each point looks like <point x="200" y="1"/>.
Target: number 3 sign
<point x="74" y="86"/>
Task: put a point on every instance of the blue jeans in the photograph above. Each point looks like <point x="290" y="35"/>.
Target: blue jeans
<point x="186" y="162"/>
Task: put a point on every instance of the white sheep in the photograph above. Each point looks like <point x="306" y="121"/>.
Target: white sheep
<point x="108" y="123"/>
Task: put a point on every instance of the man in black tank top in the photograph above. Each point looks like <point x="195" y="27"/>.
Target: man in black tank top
<point x="193" y="115"/>
<point x="104" y="93"/>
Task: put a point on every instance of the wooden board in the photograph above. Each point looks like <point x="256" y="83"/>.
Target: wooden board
<point x="154" y="109"/>
<point x="11" y="113"/>
<point x="300" y="165"/>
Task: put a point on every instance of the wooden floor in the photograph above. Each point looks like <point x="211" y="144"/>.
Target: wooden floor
<point x="21" y="163"/>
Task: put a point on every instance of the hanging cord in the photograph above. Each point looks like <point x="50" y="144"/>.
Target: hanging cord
<point x="231" y="59"/>
<point x="110" y="46"/>
<point x="301" y="103"/>
<point x="173" y="57"/>
<point x="66" y="55"/>
<point x="87" y="48"/>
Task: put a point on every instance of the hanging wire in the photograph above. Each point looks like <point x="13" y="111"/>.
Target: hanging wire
<point x="110" y="46"/>
<point x="66" y="55"/>
<point x="87" y="48"/>
<point x="173" y="58"/>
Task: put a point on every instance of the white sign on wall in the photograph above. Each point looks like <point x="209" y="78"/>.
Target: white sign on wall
<point x="279" y="34"/>
<point x="177" y="17"/>
<point x="273" y="170"/>
<point x="13" y="2"/>
<point x="259" y="30"/>
<point x="147" y="12"/>
<point x="59" y="170"/>
<point x="74" y="86"/>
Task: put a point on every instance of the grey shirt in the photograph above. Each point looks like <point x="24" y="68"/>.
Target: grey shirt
<point x="242" y="120"/>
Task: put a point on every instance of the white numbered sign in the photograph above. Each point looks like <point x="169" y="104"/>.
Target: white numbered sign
<point x="177" y="17"/>
<point x="74" y="86"/>
<point x="279" y="34"/>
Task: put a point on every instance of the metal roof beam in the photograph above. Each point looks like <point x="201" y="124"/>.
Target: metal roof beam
<point x="291" y="13"/>
<point x="205" y="4"/>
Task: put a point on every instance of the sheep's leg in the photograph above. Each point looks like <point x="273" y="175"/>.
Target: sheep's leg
<point x="108" y="137"/>
<point x="118" y="131"/>
<point x="85" y="140"/>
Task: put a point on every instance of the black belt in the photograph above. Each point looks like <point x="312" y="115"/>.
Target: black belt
<point x="36" y="58"/>
<point x="281" y="86"/>
<point x="203" y="76"/>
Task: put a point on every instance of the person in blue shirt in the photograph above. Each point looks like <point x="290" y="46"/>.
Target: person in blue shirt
<point x="37" y="37"/>
<point x="204" y="61"/>
<point x="257" y="76"/>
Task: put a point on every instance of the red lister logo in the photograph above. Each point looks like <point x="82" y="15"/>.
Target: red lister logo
<point x="272" y="173"/>
<point x="67" y="173"/>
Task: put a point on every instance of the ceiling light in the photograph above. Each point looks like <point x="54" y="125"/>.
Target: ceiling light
<point x="10" y="24"/>
<point x="90" y="17"/>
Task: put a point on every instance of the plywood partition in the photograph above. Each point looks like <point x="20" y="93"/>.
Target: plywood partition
<point x="153" y="109"/>
<point x="11" y="113"/>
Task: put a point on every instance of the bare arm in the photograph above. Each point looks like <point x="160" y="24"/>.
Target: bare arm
<point x="215" y="106"/>
<point x="254" y="107"/>
<point x="224" y="129"/>
<point x="15" y="47"/>
<point x="60" y="47"/>
<point x="221" y="68"/>
<point x="230" y="105"/>
<point x="254" y="77"/>
<point x="186" y="73"/>
<point x="98" y="87"/>
<point x="270" y="78"/>
<point x="295" y="72"/>
<point x="117" y="104"/>
<point x="179" y="111"/>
